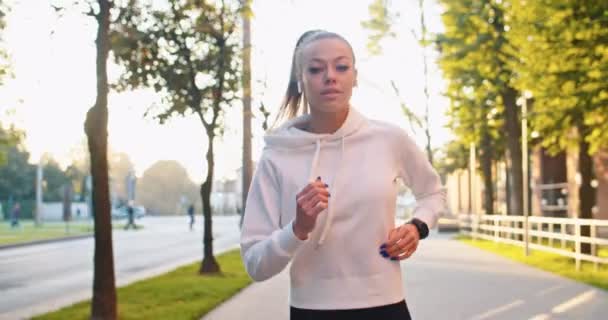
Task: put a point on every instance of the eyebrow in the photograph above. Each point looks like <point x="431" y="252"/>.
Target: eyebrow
<point x="321" y="60"/>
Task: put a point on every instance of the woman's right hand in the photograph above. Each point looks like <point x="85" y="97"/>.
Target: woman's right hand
<point x="311" y="201"/>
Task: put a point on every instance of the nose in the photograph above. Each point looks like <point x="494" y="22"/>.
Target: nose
<point x="330" y="76"/>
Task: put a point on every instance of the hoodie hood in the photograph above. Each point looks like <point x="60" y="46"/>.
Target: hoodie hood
<point x="288" y="136"/>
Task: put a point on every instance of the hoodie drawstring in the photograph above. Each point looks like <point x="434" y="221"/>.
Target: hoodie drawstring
<point x="332" y="199"/>
<point x="315" y="163"/>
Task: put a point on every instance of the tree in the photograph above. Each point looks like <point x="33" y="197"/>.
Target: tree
<point x="475" y="57"/>
<point x="103" y="305"/>
<point x="9" y="138"/>
<point x="188" y="53"/>
<point x="563" y="62"/>
<point x="381" y="24"/>
<point x="162" y="186"/>
<point x="17" y="176"/>
<point x="55" y="179"/>
<point x="246" y="14"/>
<point x="4" y="63"/>
<point x="120" y="168"/>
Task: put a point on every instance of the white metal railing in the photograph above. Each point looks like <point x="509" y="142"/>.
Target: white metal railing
<point x="557" y="235"/>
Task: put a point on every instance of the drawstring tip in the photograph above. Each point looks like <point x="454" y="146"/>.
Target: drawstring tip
<point x="319" y="244"/>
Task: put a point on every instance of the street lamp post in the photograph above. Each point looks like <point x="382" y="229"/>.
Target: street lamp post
<point x="38" y="209"/>
<point x="524" y="154"/>
<point x="473" y="190"/>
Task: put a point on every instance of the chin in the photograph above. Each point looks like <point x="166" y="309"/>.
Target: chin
<point x="332" y="106"/>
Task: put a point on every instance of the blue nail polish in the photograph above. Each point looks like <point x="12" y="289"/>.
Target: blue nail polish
<point x="384" y="254"/>
<point x="319" y="178"/>
<point x="394" y="259"/>
<point x="383" y="246"/>
<point x="326" y="186"/>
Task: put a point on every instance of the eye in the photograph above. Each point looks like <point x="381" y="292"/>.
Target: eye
<point x="314" y="70"/>
<point x="342" y="68"/>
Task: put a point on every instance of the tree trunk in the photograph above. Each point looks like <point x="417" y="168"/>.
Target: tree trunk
<point x="586" y="192"/>
<point x="486" y="168"/>
<point x="209" y="264"/>
<point x="513" y="131"/>
<point x="103" y="305"/>
<point x="247" y="165"/>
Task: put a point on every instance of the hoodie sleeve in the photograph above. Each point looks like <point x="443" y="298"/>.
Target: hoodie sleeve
<point x="266" y="248"/>
<point x="422" y="179"/>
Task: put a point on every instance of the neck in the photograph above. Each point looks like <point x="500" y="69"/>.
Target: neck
<point x="326" y="122"/>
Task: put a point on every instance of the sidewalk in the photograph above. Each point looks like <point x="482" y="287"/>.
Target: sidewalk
<point x="450" y="280"/>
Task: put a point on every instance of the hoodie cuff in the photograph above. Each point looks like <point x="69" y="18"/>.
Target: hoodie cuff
<point x="287" y="240"/>
<point x="426" y="216"/>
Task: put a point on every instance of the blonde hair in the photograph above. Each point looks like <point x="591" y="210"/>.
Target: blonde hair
<point x="295" y="103"/>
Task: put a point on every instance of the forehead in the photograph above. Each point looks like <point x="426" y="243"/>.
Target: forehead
<point x="328" y="49"/>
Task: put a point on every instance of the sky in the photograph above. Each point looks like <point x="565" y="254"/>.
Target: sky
<point x="53" y="63"/>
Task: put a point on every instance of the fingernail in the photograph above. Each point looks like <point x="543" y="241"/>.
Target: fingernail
<point x="319" y="178"/>
<point x="326" y="185"/>
<point x="384" y="254"/>
<point x="329" y="195"/>
<point x="394" y="259"/>
<point x="383" y="246"/>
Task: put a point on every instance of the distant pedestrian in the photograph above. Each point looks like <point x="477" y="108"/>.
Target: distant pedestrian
<point x="131" y="217"/>
<point x="15" y="215"/>
<point x="191" y="214"/>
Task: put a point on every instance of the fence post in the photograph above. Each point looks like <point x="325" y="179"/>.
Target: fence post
<point x="577" y="243"/>
<point x="497" y="224"/>
<point x="562" y="230"/>
<point x="594" y="246"/>
<point x="551" y="237"/>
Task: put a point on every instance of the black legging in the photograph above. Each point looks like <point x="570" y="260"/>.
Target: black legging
<point x="396" y="311"/>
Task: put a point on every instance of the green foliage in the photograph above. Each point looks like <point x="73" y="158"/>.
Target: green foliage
<point x="17" y="176"/>
<point x="4" y="63"/>
<point x="187" y="51"/>
<point x="8" y="138"/>
<point x="562" y="49"/>
<point x="473" y="55"/>
<point x="380" y="24"/>
<point x="54" y="181"/>
<point x="163" y="185"/>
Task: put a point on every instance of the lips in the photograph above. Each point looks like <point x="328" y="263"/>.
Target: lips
<point x="328" y="92"/>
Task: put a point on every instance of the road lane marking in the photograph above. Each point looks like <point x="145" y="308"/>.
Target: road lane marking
<point x="542" y="316"/>
<point x="492" y="313"/>
<point x="578" y="300"/>
<point x="550" y="289"/>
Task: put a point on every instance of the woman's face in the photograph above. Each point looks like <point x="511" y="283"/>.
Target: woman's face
<point x="328" y="74"/>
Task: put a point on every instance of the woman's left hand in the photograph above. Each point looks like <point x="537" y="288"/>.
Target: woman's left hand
<point x="402" y="242"/>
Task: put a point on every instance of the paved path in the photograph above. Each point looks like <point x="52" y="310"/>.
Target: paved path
<point x="451" y="280"/>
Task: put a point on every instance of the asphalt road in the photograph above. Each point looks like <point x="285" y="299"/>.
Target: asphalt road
<point x="39" y="278"/>
<point x="447" y="279"/>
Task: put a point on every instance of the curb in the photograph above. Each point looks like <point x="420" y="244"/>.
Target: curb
<point x="31" y="243"/>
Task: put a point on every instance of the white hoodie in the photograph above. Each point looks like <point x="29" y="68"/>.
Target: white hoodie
<point x="339" y="265"/>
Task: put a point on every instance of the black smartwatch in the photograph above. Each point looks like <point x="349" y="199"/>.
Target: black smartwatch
<point x="423" y="229"/>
